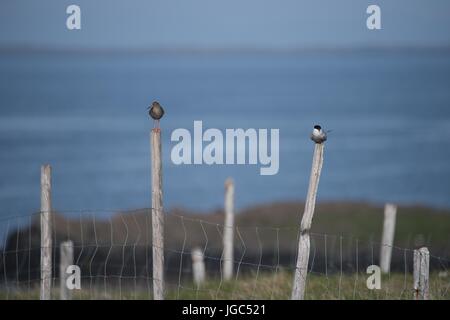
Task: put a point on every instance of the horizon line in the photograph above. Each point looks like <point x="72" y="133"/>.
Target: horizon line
<point x="214" y="50"/>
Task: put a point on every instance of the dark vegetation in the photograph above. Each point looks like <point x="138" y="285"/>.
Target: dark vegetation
<point x="117" y="246"/>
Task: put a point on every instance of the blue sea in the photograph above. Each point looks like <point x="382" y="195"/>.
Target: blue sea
<point x="86" y="115"/>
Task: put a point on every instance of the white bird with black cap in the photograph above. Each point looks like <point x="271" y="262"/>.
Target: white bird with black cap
<point x="318" y="135"/>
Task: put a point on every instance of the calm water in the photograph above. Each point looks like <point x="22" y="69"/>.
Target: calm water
<point x="86" y="115"/>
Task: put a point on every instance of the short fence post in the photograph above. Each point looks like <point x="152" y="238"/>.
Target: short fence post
<point x="198" y="266"/>
<point x="301" y="271"/>
<point x="421" y="274"/>
<point x="228" y="230"/>
<point x="46" y="233"/>
<point x="387" y="239"/>
<point x="416" y="274"/>
<point x="66" y="259"/>
<point x="157" y="216"/>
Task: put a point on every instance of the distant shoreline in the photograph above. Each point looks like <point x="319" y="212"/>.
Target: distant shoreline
<point x="218" y="50"/>
<point x="324" y="203"/>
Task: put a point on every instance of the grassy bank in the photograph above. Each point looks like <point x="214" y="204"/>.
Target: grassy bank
<point x="265" y="286"/>
<point x="345" y="236"/>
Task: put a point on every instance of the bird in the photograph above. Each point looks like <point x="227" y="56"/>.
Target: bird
<point x="318" y="135"/>
<point x="156" y="112"/>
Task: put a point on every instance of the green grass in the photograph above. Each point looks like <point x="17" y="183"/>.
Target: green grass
<point x="271" y="286"/>
<point x="319" y="287"/>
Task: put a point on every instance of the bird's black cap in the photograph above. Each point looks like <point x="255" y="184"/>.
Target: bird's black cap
<point x="317" y="127"/>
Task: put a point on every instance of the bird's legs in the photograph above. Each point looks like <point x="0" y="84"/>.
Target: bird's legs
<point x="156" y="125"/>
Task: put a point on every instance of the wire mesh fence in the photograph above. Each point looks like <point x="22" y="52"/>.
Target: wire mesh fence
<point x="114" y="253"/>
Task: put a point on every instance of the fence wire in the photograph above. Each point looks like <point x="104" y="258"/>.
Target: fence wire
<point x="114" y="253"/>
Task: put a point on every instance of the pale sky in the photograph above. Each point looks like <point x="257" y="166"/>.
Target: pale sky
<point x="224" y="23"/>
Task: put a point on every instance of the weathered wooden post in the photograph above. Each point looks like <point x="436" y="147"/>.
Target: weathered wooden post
<point x="421" y="274"/>
<point x="198" y="266"/>
<point x="157" y="214"/>
<point x="301" y="271"/>
<point x="46" y="232"/>
<point x="228" y="230"/>
<point x="387" y="239"/>
<point x="416" y="274"/>
<point x="66" y="259"/>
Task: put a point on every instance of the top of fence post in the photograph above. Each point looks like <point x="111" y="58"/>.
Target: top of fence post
<point x="421" y="274"/>
<point x="310" y="203"/>
<point x="65" y="260"/>
<point x="387" y="238"/>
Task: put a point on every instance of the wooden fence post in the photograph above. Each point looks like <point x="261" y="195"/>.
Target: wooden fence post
<point x="301" y="271"/>
<point x="228" y="230"/>
<point x="46" y="233"/>
<point x="416" y="274"/>
<point x="66" y="259"/>
<point x="198" y="266"/>
<point x="387" y="239"/>
<point x="421" y="274"/>
<point x="157" y="216"/>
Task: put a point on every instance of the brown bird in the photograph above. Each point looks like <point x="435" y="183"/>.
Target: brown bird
<point x="156" y="112"/>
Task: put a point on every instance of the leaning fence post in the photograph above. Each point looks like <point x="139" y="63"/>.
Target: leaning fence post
<point x="228" y="230"/>
<point x="299" y="285"/>
<point x="66" y="259"/>
<point x="157" y="216"/>
<point x="421" y="274"/>
<point x="198" y="266"/>
<point x="387" y="239"/>
<point x="46" y="238"/>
